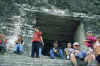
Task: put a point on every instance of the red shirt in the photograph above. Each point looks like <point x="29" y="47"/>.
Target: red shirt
<point x="37" y="36"/>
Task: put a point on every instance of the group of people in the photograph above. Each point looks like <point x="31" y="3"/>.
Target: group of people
<point x="72" y="52"/>
<point x="19" y="49"/>
<point x="75" y="53"/>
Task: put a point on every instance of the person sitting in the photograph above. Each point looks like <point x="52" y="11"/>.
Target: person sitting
<point x="19" y="45"/>
<point x="97" y="50"/>
<point x="55" y="51"/>
<point x="3" y="42"/>
<point x="68" y="50"/>
<point x="78" y="55"/>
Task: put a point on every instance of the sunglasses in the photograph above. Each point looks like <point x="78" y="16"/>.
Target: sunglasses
<point x="76" y="45"/>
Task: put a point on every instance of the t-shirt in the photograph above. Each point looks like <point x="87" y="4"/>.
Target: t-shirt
<point x="69" y="50"/>
<point x="81" y="54"/>
<point x="37" y="36"/>
<point x="21" y="42"/>
<point x="92" y="40"/>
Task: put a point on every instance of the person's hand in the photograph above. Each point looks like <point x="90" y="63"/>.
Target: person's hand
<point x="42" y="43"/>
<point x="55" y="50"/>
<point x="76" y="51"/>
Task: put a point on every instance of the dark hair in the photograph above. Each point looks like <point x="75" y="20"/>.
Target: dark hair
<point x="20" y="36"/>
<point x="35" y="27"/>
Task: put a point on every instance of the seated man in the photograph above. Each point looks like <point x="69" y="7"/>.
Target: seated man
<point x="97" y="50"/>
<point x="55" y="51"/>
<point x="68" y="50"/>
<point x="19" y="45"/>
<point x="3" y="42"/>
<point x="78" y="55"/>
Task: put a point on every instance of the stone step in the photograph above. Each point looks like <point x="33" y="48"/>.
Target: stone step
<point x="20" y="60"/>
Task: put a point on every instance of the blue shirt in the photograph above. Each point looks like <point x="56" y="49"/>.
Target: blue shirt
<point x="81" y="54"/>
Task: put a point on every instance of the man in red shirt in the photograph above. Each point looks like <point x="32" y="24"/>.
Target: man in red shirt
<point x="36" y="42"/>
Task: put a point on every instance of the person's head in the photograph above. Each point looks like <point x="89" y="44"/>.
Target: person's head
<point x="19" y="37"/>
<point x="76" y="45"/>
<point x="69" y="45"/>
<point x="90" y="33"/>
<point x="98" y="38"/>
<point x="2" y="36"/>
<point x="35" y="29"/>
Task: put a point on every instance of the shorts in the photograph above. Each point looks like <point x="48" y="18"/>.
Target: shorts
<point x="81" y="62"/>
<point x="98" y="58"/>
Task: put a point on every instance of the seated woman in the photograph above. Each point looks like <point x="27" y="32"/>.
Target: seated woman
<point x="80" y="57"/>
<point x="55" y="51"/>
<point x="68" y="50"/>
<point x="19" y="45"/>
<point x="3" y="42"/>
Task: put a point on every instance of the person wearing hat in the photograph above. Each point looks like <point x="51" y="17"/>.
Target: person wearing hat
<point x="77" y="55"/>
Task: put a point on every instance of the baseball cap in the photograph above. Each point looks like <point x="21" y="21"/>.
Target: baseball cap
<point x="76" y="43"/>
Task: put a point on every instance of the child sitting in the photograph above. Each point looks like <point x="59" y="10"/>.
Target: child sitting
<point x="19" y="45"/>
<point x="55" y="51"/>
<point x="68" y="50"/>
<point x="3" y="42"/>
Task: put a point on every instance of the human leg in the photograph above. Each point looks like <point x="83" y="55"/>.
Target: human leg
<point x="52" y="54"/>
<point x="37" y="49"/>
<point x="98" y="59"/>
<point x="16" y="49"/>
<point x="21" y="49"/>
<point x="73" y="59"/>
<point x="40" y="50"/>
<point x="67" y="55"/>
<point x="32" y="51"/>
<point x="61" y="53"/>
<point x="89" y="58"/>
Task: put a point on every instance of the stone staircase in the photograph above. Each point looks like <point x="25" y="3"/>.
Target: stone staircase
<point x="20" y="60"/>
<point x="10" y="59"/>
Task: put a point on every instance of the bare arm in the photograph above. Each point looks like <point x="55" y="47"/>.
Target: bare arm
<point x="86" y="40"/>
<point x="42" y="41"/>
<point x="22" y="43"/>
